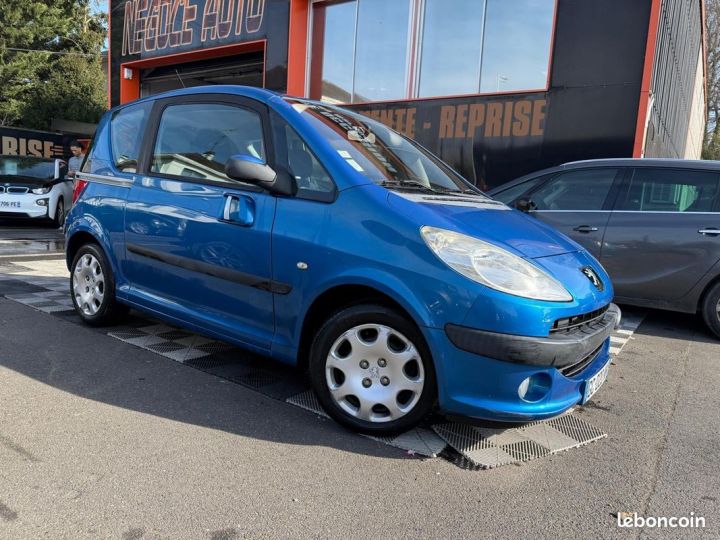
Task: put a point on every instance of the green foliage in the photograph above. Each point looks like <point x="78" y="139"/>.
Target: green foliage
<point x="711" y="148"/>
<point x="37" y="84"/>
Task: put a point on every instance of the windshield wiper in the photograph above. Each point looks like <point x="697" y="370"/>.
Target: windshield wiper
<point x="410" y="184"/>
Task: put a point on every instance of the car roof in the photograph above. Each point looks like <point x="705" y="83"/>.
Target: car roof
<point x="670" y="163"/>
<point x="260" y="94"/>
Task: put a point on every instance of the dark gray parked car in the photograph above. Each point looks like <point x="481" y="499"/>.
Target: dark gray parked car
<point x="654" y="224"/>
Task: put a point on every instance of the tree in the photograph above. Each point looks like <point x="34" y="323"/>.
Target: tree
<point x="50" y="62"/>
<point x="711" y="148"/>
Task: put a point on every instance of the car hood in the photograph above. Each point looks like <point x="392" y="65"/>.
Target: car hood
<point x="25" y="181"/>
<point x="485" y="219"/>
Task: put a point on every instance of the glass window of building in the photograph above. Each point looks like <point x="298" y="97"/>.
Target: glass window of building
<point x="451" y="47"/>
<point x="360" y="50"/>
<point x="516" y="45"/>
<point x="333" y="50"/>
<point x="381" y="56"/>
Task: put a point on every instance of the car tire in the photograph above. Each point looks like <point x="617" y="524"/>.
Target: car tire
<point x="92" y="287"/>
<point x="367" y="354"/>
<point x="711" y="309"/>
<point x="59" y="220"/>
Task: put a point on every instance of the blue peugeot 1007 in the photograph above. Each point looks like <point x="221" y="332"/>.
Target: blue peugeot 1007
<point x="323" y="239"/>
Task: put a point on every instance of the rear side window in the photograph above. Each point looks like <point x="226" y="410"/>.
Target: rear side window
<point x="127" y="127"/>
<point x="195" y="140"/>
<point x="576" y="190"/>
<point x="670" y="190"/>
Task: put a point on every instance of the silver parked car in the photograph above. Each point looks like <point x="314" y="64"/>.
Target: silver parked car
<point x="654" y="224"/>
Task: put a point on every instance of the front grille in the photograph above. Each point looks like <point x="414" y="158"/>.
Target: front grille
<point x="578" y="322"/>
<point x="17" y="189"/>
<point x="574" y="369"/>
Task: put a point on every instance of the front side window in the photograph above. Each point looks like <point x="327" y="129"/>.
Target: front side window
<point x="196" y="140"/>
<point x="312" y="180"/>
<point x="510" y="194"/>
<point x="378" y="153"/>
<point x="667" y="190"/>
<point x="575" y="190"/>
<point x="127" y="126"/>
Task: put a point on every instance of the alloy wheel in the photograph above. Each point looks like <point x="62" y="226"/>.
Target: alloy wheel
<point x="88" y="284"/>
<point x="374" y="373"/>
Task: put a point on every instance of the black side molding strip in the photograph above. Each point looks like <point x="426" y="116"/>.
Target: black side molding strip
<point x="212" y="270"/>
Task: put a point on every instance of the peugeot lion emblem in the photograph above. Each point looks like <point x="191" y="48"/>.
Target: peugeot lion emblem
<point x="593" y="277"/>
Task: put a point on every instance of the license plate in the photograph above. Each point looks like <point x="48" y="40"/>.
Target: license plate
<point x="9" y="204"/>
<point x="593" y="384"/>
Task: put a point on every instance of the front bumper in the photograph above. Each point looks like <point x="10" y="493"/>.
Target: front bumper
<point x="24" y="206"/>
<point x="475" y="385"/>
<point x="560" y="349"/>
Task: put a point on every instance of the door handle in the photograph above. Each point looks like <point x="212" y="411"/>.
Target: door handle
<point x="711" y="231"/>
<point x="238" y="209"/>
<point x="585" y="229"/>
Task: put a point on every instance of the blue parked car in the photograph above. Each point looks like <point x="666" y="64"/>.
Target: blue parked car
<point x="323" y="239"/>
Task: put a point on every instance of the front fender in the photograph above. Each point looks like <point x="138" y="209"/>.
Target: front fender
<point x="426" y="311"/>
<point x="384" y="282"/>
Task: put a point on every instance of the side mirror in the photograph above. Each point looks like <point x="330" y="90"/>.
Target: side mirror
<point x="525" y="205"/>
<point x="255" y="171"/>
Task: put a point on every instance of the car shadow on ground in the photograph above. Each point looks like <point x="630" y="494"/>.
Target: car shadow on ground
<point x="671" y="324"/>
<point x="57" y="350"/>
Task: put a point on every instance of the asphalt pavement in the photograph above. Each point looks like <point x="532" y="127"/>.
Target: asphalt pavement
<point x="101" y="439"/>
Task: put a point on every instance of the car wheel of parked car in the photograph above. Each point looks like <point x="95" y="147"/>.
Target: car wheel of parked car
<point x="372" y="371"/>
<point x="59" y="219"/>
<point x="93" y="288"/>
<point x="711" y="309"/>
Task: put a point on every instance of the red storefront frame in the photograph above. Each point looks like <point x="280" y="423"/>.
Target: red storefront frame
<point x="130" y="87"/>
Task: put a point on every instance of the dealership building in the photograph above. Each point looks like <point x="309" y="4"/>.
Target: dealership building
<point x="498" y="88"/>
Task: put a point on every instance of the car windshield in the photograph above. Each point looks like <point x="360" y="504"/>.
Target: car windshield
<point x="27" y="166"/>
<point x="382" y="155"/>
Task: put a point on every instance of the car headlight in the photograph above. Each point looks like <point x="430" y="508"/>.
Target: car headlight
<point x="41" y="190"/>
<point x="492" y="266"/>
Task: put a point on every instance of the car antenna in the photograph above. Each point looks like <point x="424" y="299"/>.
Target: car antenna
<point x="179" y="78"/>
